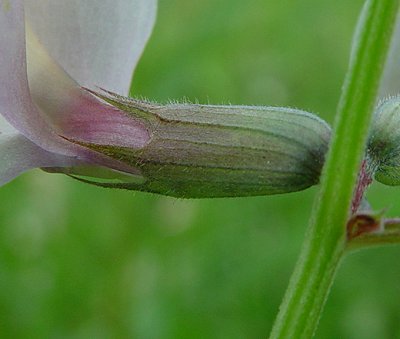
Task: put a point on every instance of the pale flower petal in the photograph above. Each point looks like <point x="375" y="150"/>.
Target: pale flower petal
<point x="18" y="154"/>
<point x="97" y="42"/>
<point x="15" y="100"/>
<point x="72" y="111"/>
<point x="42" y="124"/>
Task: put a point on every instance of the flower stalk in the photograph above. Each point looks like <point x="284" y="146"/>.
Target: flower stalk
<point x="325" y="241"/>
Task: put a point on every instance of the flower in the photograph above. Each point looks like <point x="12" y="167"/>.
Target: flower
<point x="54" y="118"/>
<point x="49" y="51"/>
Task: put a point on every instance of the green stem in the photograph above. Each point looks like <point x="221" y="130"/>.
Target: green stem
<point x="326" y="236"/>
<point x="374" y="240"/>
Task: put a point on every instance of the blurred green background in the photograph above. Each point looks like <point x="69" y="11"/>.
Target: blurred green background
<point x="83" y="262"/>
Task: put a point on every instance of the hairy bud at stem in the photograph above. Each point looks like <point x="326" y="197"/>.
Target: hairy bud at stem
<point x="383" y="150"/>
<point x="198" y="151"/>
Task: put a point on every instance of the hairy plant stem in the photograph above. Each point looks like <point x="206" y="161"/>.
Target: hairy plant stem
<point x="325" y="241"/>
<point x="364" y="180"/>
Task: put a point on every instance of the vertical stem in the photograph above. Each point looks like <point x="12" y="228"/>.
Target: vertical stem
<point x="326" y="236"/>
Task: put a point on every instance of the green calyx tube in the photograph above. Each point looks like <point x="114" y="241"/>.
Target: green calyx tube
<point x="201" y="151"/>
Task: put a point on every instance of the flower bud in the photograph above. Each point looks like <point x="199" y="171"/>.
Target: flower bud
<point x="383" y="150"/>
<point x="198" y="151"/>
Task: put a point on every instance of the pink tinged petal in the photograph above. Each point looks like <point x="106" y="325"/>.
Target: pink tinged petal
<point x="15" y="101"/>
<point x="73" y="112"/>
<point x="96" y="42"/>
<point x="90" y="120"/>
<point x="18" y="155"/>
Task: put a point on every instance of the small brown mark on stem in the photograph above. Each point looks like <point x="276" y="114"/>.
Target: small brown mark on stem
<point x="360" y="224"/>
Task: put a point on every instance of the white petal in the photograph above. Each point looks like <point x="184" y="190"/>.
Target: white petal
<point x="18" y="154"/>
<point x="15" y="101"/>
<point x="97" y="42"/>
<point x="72" y="111"/>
